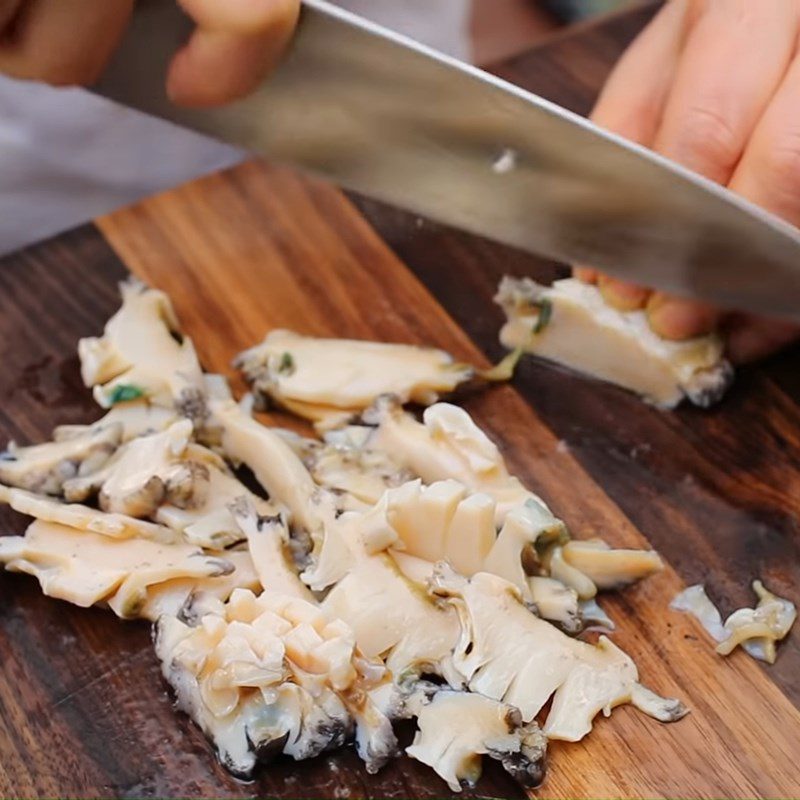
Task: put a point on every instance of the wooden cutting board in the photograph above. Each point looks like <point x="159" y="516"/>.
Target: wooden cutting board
<point x="83" y="711"/>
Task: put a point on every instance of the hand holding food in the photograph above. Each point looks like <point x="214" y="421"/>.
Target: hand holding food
<point x="69" y="42"/>
<point x="713" y="85"/>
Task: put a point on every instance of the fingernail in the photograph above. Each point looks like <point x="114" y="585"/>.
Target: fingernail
<point x="623" y="296"/>
<point x="585" y="274"/>
<point x="678" y="319"/>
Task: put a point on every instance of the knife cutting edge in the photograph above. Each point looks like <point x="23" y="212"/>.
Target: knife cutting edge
<point x="380" y="114"/>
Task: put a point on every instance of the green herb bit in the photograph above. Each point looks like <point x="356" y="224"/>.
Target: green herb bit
<point x="286" y="365"/>
<point x="504" y="370"/>
<point x="125" y="392"/>
<point x="545" y="307"/>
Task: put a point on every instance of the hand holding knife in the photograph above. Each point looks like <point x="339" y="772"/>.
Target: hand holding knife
<point x="380" y="114"/>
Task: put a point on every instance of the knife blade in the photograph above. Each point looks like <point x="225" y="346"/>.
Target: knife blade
<point x="380" y="114"/>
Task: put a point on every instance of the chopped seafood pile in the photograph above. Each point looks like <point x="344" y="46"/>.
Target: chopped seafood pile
<point x="392" y="569"/>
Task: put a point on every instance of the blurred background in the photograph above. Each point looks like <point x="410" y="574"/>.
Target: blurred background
<point x="501" y="28"/>
<point x="68" y="156"/>
<point x="482" y="31"/>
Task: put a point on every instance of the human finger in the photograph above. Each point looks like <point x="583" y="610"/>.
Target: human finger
<point x="622" y="295"/>
<point x="769" y="171"/>
<point x="236" y="44"/>
<point x="750" y="338"/>
<point x="734" y="59"/>
<point x="632" y="101"/>
<point x="711" y="113"/>
<point x="586" y="274"/>
<point x="677" y="318"/>
<point x="63" y="42"/>
<point x="631" y="105"/>
<point x="768" y="174"/>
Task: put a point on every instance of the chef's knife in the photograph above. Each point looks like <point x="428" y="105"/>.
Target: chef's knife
<point x="380" y="114"/>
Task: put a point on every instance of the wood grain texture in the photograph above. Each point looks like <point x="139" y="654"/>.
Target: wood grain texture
<point x="716" y="492"/>
<point x="315" y="266"/>
<point x="83" y="711"/>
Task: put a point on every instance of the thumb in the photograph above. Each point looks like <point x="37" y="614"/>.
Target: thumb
<point x="236" y="44"/>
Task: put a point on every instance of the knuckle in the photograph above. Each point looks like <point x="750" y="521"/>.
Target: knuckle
<point x="708" y="139"/>
<point x="780" y="168"/>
